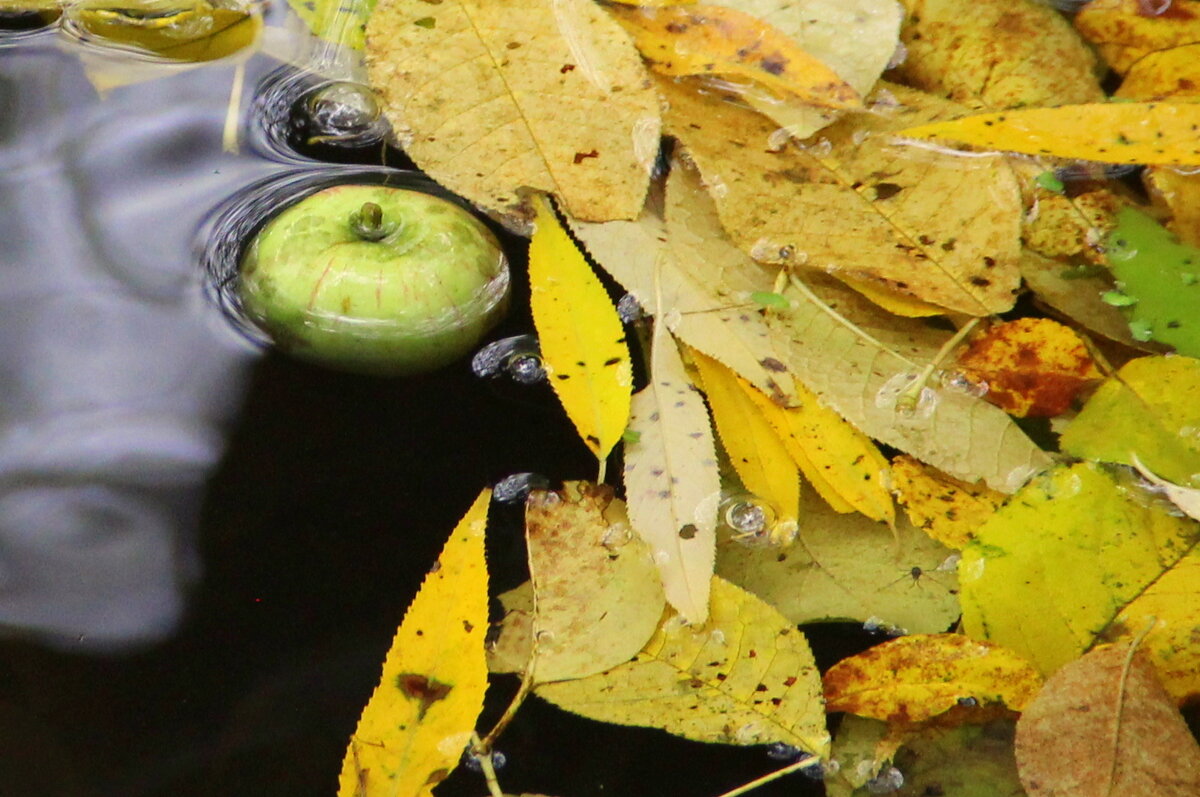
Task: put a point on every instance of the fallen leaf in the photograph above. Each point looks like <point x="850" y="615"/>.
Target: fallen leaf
<point x="1075" y="291"/>
<point x="854" y="753"/>
<point x="1146" y="410"/>
<point x="490" y="98"/>
<point x="596" y="589"/>
<point x="1164" y="74"/>
<point x="698" y="39"/>
<point x="1072" y="227"/>
<point x="672" y="483"/>
<point x="1030" y="367"/>
<point x="1000" y="53"/>
<point x="746" y="677"/>
<point x="1104" y="725"/>
<point x="582" y="342"/>
<point x="846" y="567"/>
<point x="947" y="509"/>
<point x="914" y="678"/>
<point x="421" y="715"/>
<point x="1124" y="31"/>
<point x="1050" y="571"/>
<point x="344" y="24"/>
<point x="1109" y="132"/>
<point x="1179" y="195"/>
<point x="757" y="454"/>
<point x="1158" y="279"/>
<point x="853" y="204"/>
<point x="200" y="32"/>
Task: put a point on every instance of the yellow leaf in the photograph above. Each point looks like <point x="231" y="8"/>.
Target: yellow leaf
<point x="1124" y="31"/>
<point x="755" y="450"/>
<point x="1180" y="194"/>
<point x="335" y="21"/>
<point x="1071" y="227"/>
<point x="842" y="463"/>
<point x="181" y="32"/>
<point x="1051" y="570"/>
<point x="421" y="716"/>
<point x="847" y="567"/>
<point x="582" y="343"/>
<point x="746" y="677"/>
<point x="1158" y="75"/>
<point x="893" y="302"/>
<point x="914" y="678"/>
<point x="597" y="591"/>
<point x="851" y="204"/>
<point x="1113" y="132"/>
<point x="489" y="98"/>
<point x="1001" y="53"/>
<point x="711" y="40"/>
<point x="947" y="509"/>
<point x="672" y="483"/>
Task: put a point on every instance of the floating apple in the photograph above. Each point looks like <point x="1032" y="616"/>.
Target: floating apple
<point x="375" y="279"/>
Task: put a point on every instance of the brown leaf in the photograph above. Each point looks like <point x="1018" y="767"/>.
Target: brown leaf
<point x="1103" y="726"/>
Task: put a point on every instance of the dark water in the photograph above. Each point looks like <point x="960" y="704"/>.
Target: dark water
<point x="206" y="548"/>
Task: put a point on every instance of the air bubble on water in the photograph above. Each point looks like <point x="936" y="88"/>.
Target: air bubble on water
<point x="471" y="761"/>
<point x="961" y="383"/>
<point x="1017" y="477"/>
<point x="764" y="250"/>
<point x="750" y="733"/>
<point x="717" y="636"/>
<point x="877" y="625"/>
<point x="517" y="357"/>
<point x="662" y="558"/>
<point x="455" y="744"/>
<point x="887" y="781"/>
<point x="617" y="535"/>
<point x="778" y="139"/>
<point x="819" y="148"/>
<point x="859" y="136"/>
<point x="968" y="702"/>
<point x="515" y="489"/>
<point x="899" y="56"/>
<point x="950" y="563"/>
<point x="780" y="751"/>
<point x="629" y="309"/>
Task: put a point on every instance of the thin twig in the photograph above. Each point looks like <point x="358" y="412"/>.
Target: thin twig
<point x="485" y="764"/>
<point x="909" y="398"/>
<point x="229" y="134"/>
<point x="1116" y="740"/>
<point x="746" y="788"/>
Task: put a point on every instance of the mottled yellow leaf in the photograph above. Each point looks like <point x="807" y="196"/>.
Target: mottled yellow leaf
<point x="998" y="53"/>
<point x="489" y="98"/>
<point x="1112" y="132"/>
<point x="711" y="40"/>
<point x="1173" y="73"/>
<point x="582" y="343"/>
<point x="1071" y="227"/>
<point x="853" y="204"/>
<point x="914" y="678"/>
<point x="757" y="454"/>
<point x="947" y="509"/>
<point x="847" y="567"/>
<point x="1124" y="31"/>
<point x="421" y="716"/>
<point x="746" y="677"/>
<point x="1051" y="570"/>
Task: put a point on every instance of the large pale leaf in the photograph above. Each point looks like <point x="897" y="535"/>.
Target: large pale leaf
<point x="1104" y="726"/>
<point x="672" y="483"/>
<point x="580" y="335"/>
<point x="421" y="716"/>
<point x="846" y="567"/>
<point x="746" y="677"/>
<point x="855" y="205"/>
<point x="1050" y="571"/>
<point x="489" y="98"/>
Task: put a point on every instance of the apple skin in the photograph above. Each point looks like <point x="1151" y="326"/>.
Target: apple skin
<point x="419" y="297"/>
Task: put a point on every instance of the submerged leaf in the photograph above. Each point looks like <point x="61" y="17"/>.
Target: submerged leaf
<point x="421" y="716"/>
<point x="746" y="677"/>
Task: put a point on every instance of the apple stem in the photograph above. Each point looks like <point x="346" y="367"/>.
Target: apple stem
<point x="367" y="223"/>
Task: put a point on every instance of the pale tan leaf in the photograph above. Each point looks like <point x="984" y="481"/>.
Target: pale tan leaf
<point x="489" y="98"/>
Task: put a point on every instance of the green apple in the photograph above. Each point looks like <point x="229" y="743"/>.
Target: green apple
<point x="374" y="279"/>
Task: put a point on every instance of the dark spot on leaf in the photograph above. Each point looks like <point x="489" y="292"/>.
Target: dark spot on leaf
<point x="426" y="691"/>
<point x="467" y="626"/>
<point x="580" y="157"/>
<point x="437" y="776"/>
<point x="687" y="532"/>
<point x="566" y="68"/>
<point x="982" y="282"/>
<point x="887" y="190"/>
<point x="612" y="361"/>
<point x="771" y="364"/>
<point x="773" y="65"/>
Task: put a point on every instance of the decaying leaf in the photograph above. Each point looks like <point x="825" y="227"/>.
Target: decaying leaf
<point x="1110" y="132"/>
<point x="846" y="567"/>
<point x="1104" y="725"/>
<point x="579" y="332"/>
<point x="490" y="98"/>
<point x="854" y="204"/>
<point x="1051" y="570"/>
<point x="947" y="509"/>
<point x="672" y="483"/>
<point x="1030" y="367"/>
<point x="598" y="596"/>
<point x="697" y="39"/>
<point x="914" y="678"/>
<point x="1146" y="410"/>
<point x="746" y="677"/>
<point x="1126" y="30"/>
<point x="1000" y="53"/>
<point x="1071" y="227"/>
<point x="421" y="716"/>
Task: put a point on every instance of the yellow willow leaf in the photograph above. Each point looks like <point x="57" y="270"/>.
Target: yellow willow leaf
<point x="1051" y="570"/>
<point x="1125" y="31"/>
<point x="1103" y="726"/>
<point x="582" y="343"/>
<point x="1111" y="132"/>
<point x="914" y="678"/>
<point x="672" y="483"/>
<point x="489" y="98"/>
<point x="852" y="203"/>
<point x="840" y="461"/>
<point x="711" y="40"/>
<point x="706" y="284"/>
<point x="758" y="455"/>
<point x="1005" y="53"/>
<point x="421" y="716"/>
<point x="746" y="677"/>
<point x="947" y="509"/>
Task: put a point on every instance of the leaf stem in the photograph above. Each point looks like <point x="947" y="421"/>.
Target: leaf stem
<point x="1116" y="740"/>
<point x="908" y="399"/>
<point x="527" y="682"/>
<point x="745" y="788"/>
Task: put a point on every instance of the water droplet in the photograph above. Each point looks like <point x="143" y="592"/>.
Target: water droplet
<point x="778" y="139"/>
<point x="630" y="309"/>
<point x="662" y="557"/>
<point x="877" y="625"/>
<point x="778" y="751"/>
<point x="1017" y="477"/>
<point x="515" y="489"/>
<point x="899" y="56"/>
<point x="471" y="761"/>
<point x="717" y="636"/>
<point x="887" y="781"/>
<point x="750" y="733"/>
<point x="961" y="383"/>
<point x="518" y="357"/>
<point x="950" y="563"/>
<point x="617" y="535"/>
